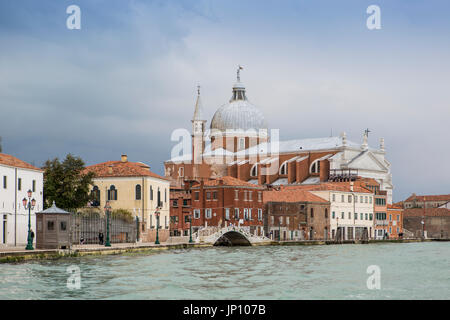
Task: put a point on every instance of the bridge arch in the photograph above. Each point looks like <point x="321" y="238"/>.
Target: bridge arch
<point x="232" y="238"/>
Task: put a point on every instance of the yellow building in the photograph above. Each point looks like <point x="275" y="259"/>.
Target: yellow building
<point x="132" y="186"/>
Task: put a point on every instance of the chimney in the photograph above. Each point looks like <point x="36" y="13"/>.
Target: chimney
<point x="124" y="158"/>
<point x="110" y="170"/>
<point x="351" y="185"/>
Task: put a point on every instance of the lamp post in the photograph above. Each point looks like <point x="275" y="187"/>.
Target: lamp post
<point x="190" y="229"/>
<point x="157" y="225"/>
<point x="279" y="228"/>
<point x="107" y="211"/>
<point x="29" y="204"/>
<point x="423" y="227"/>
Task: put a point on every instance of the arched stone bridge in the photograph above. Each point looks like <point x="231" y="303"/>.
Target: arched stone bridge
<point x="228" y="236"/>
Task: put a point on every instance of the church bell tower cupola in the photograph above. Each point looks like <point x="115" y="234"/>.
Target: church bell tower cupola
<point x="198" y="122"/>
<point x="238" y="88"/>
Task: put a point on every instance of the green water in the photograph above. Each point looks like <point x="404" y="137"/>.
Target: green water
<point x="407" y="271"/>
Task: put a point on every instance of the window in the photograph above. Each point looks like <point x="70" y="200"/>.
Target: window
<point x="95" y="194"/>
<point x="158" y="198"/>
<point x="398" y="217"/>
<point x="245" y="195"/>
<point x="236" y="194"/>
<point x="333" y="196"/>
<point x="50" y="225"/>
<point x="241" y="143"/>
<point x="259" y="214"/>
<point x="196" y="213"/>
<point x="245" y="213"/>
<point x="342" y="198"/>
<point x="349" y="198"/>
<point x="370" y="216"/>
<point x="315" y="167"/>
<point x="342" y="215"/>
<point x="281" y="220"/>
<point x="390" y="217"/>
<point x="151" y="193"/>
<point x="138" y="192"/>
<point x="208" y="196"/>
<point x="175" y="203"/>
<point x="356" y="199"/>
<point x="356" y="216"/>
<point x="112" y="193"/>
<point x="186" y="219"/>
<point x="236" y="213"/>
<point x="287" y="220"/>
<point x="196" y="195"/>
<point x="250" y="214"/>
<point x="165" y="195"/>
<point x="362" y="199"/>
<point x="367" y="199"/>
<point x="362" y="216"/>
<point x="63" y="226"/>
<point x="5" y="182"/>
<point x="259" y="196"/>
<point x="312" y="212"/>
<point x="254" y="170"/>
<point x="181" y="172"/>
<point x="370" y="200"/>
<point x="34" y="186"/>
<point x="19" y="184"/>
<point x="185" y="202"/>
<point x="208" y="213"/>
<point x="227" y="214"/>
<point x="250" y="196"/>
<point x="367" y="216"/>
<point x="326" y="213"/>
<point x="215" y="195"/>
<point x="333" y="214"/>
<point x="284" y="168"/>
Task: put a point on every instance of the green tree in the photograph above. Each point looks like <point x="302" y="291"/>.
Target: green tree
<point x="66" y="183"/>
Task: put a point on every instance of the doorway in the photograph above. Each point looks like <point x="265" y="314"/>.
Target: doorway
<point x="5" y="229"/>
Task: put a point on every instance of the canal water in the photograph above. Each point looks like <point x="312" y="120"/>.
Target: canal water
<point x="406" y="271"/>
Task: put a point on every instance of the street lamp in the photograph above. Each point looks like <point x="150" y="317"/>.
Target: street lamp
<point x="279" y="228"/>
<point x="157" y="225"/>
<point x="107" y="211"/>
<point x="29" y="204"/>
<point x="190" y="229"/>
<point x="423" y="228"/>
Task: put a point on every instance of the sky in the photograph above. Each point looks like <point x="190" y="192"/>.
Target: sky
<point x="123" y="82"/>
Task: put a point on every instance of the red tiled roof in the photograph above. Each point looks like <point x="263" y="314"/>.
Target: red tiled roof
<point x="394" y="207"/>
<point x="290" y="195"/>
<point x="228" y="181"/>
<point x="439" y="197"/>
<point x="122" y="169"/>
<point x="12" y="161"/>
<point x="429" y="212"/>
<point x="330" y="186"/>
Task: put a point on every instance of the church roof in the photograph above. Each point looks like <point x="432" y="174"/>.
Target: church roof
<point x="291" y="195"/>
<point x="122" y="169"/>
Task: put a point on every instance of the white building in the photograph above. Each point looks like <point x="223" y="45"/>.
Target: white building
<point x="351" y="208"/>
<point x="16" y="178"/>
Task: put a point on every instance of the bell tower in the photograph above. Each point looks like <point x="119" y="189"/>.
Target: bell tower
<point x="198" y="131"/>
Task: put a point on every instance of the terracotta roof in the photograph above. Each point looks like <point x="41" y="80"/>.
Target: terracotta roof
<point x="122" y="169"/>
<point x="12" y="161"/>
<point x="290" y="195"/>
<point x="440" y="197"/>
<point x="394" y="207"/>
<point x="228" y="181"/>
<point x="330" y="186"/>
<point x="429" y="212"/>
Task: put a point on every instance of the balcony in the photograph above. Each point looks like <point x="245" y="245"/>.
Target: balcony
<point x="381" y="222"/>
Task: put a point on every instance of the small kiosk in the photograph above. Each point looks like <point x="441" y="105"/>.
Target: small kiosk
<point x="52" y="228"/>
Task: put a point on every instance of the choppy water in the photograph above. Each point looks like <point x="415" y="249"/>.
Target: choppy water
<point x="408" y="271"/>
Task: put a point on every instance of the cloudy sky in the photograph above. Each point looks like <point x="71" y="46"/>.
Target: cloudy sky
<point x="128" y="78"/>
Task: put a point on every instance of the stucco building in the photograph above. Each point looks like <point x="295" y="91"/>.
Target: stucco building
<point x="431" y="201"/>
<point x="17" y="177"/>
<point x="134" y="187"/>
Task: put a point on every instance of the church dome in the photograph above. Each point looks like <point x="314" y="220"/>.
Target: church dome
<point x="239" y="113"/>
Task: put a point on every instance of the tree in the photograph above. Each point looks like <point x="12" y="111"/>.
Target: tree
<point x="66" y="183"/>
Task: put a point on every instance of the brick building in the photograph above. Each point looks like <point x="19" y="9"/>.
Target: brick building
<point x="436" y="222"/>
<point x="227" y="200"/>
<point x="431" y="201"/>
<point x="180" y="212"/>
<point x="295" y="215"/>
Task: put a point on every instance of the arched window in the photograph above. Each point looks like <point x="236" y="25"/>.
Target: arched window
<point x="95" y="196"/>
<point x="284" y="168"/>
<point x="159" y="198"/>
<point x="151" y="193"/>
<point x="254" y="171"/>
<point x="138" y="192"/>
<point x="112" y="193"/>
<point x="315" y="167"/>
<point x="181" y="172"/>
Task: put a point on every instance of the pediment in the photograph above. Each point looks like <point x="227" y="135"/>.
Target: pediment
<point x="367" y="161"/>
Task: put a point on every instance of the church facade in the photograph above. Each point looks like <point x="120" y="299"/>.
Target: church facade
<point x="238" y="144"/>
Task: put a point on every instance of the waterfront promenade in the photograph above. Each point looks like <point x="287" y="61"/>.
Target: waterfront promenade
<point x="19" y="254"/>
